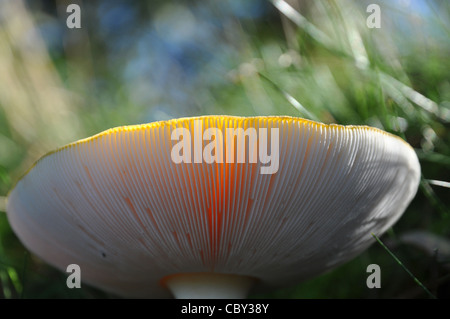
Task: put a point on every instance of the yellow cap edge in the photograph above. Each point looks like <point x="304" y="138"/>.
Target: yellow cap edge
<point x="170" y="122"/>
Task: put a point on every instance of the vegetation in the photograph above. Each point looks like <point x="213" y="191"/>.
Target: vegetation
<point x="141" y="61"/>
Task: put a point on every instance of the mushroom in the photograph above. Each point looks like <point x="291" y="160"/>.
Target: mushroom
<point x="213" y="206"/>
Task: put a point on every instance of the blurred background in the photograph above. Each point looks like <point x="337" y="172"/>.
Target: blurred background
<point x="135" y="62"/>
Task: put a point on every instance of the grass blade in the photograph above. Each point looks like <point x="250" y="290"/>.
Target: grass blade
<point x="438" y="183"/>
<point x="294" y="102"/>
<point x="404" y="267"/>
<point x="295" y="16"/>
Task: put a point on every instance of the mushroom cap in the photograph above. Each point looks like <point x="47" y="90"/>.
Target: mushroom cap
<point x="119" y="206"/>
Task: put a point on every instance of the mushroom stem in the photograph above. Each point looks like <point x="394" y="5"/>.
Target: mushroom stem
<point x="209" y="286"/>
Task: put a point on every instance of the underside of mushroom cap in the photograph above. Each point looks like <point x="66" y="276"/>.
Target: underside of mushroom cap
<point x="129" y="214"/>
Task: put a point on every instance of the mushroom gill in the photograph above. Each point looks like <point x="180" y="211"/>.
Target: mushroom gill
<point x="277" y="199"/>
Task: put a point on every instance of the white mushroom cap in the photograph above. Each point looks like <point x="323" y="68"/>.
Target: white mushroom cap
<point x="119" y="206"/>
